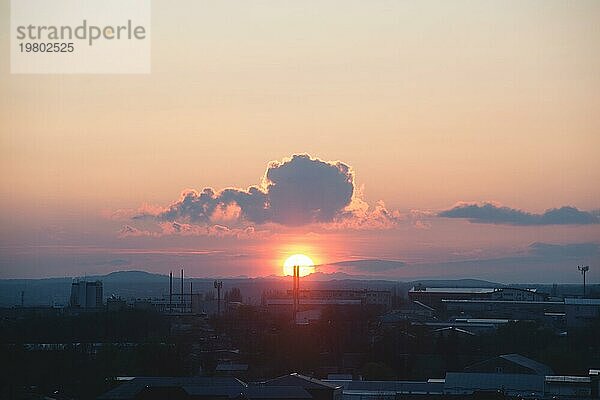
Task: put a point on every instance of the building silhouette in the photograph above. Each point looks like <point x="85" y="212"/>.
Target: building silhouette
<point x="86" y="294"/>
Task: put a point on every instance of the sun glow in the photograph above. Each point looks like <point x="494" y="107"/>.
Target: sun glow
<point x="307" y="266"/>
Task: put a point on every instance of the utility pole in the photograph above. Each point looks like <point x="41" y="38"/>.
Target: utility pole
<point x="296" y="290"/>
<point x="583" y="269"/>
<point x="170" y="291"/>
<point x="181" y="300"/>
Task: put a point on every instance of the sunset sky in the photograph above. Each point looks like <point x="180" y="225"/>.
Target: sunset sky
<point x="433" y="136"/>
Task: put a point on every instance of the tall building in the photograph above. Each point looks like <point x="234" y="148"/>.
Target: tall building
<point x="86" y="294"/>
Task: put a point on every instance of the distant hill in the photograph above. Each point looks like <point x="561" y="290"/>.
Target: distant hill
<point x="456" y="283"/>
<point x="131" y="276"/>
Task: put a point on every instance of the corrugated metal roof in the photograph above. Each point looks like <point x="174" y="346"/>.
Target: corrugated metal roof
<point x="502" y="302"/>
<point x="277" y="392"/>
<point x="582" y="302"/>
<point x="283" y="302"/>
<point x="453" y="329"/>
<point x="567" y="379"/>
<point x="231" y="367"/>
<point x="468" y="382"/>
<point x="304" y="381"/>
<point x="538" y="367"/>
<point x="453" y="290"/>
<point x="129" y="389"/>
<point x="220" y="391"/>
<point x="395" y="387"/>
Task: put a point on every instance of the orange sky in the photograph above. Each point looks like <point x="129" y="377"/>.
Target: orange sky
<point x="430" y="103"/>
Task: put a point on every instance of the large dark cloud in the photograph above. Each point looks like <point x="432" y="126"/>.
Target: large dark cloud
<point x="296" y="191"/>
<point x="489" y="213"/>
<point x="305" y="190"/>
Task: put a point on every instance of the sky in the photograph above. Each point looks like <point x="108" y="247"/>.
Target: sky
<point x="449" y="139"/>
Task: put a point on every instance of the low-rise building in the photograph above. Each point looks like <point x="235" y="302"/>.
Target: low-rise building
<point x="318" y="389"/>
<point x="581" y="312"/>
<point x="510" y="364"/>
<point x="434" y="296"/>
<point x="513" y="385"/>
<point x="510" y="309"/>
<point x="318" y="299"/>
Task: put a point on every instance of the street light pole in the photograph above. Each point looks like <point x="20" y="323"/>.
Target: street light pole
<point x="583" y="269"/>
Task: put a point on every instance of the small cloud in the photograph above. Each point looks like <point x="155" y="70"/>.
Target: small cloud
<point x="368" y="265"/>
<point x="491" y="213"/>
<point x="130" y="231"/>
<point x="117" y="262"/>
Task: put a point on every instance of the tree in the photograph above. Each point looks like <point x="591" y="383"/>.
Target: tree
<point x="233" y="295"/>
<point x="210" y="295"/>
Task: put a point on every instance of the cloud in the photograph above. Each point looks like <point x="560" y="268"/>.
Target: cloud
<point x="294" y="192"/>
<point x="565" y="250"/>
<point x="368" y="265"/>
<point x="131" y="231"/>
<point x="490" y="213"/>
<point x="537" y="262"/>
<point x="117" y="262"/>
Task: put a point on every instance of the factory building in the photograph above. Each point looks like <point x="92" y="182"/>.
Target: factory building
<point x="509" y="309"/>
<point x="434" y="296"/>
<point x="318" y="299"/>
<point x="581" y="312"/>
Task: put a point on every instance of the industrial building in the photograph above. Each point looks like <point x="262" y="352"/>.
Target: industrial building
<point x="581" y="312"/>
<point x="522" y="378"/>
<point x="317" y="299"/>
<point x="510" y="364"/>
<point x="509" y="309"/>
<point x="288" y="387"/>
<point x="433" y="296"/>
<point x="86" y="294"/>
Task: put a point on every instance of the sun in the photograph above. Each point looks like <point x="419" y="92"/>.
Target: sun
<point x="307" y="266"/>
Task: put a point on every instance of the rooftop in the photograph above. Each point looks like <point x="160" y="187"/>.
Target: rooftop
<point x="567" y="379"/>
<point x="231" y="367"/>
<point x="582" y="302"/>
<point x="538" y="367"/>
<point x="465" y="381"/>
<point x="394" y="387"/>
<point x="304" y="381"/>
<point x="131" y="388"/>
<point x="276" y="392"/>
<point x="452" y="290"/>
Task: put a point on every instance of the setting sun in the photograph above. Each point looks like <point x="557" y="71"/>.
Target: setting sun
<point x="307" y="266"/>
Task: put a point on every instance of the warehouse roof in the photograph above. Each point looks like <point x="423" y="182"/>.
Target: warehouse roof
<point x="131" y="388"/>
<point x="276" y="392"/>
<point x="462" y="382"/>
<point x="394" y="387"/>
<point x="304" y="381"/>
<point x="451" y="290"/>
